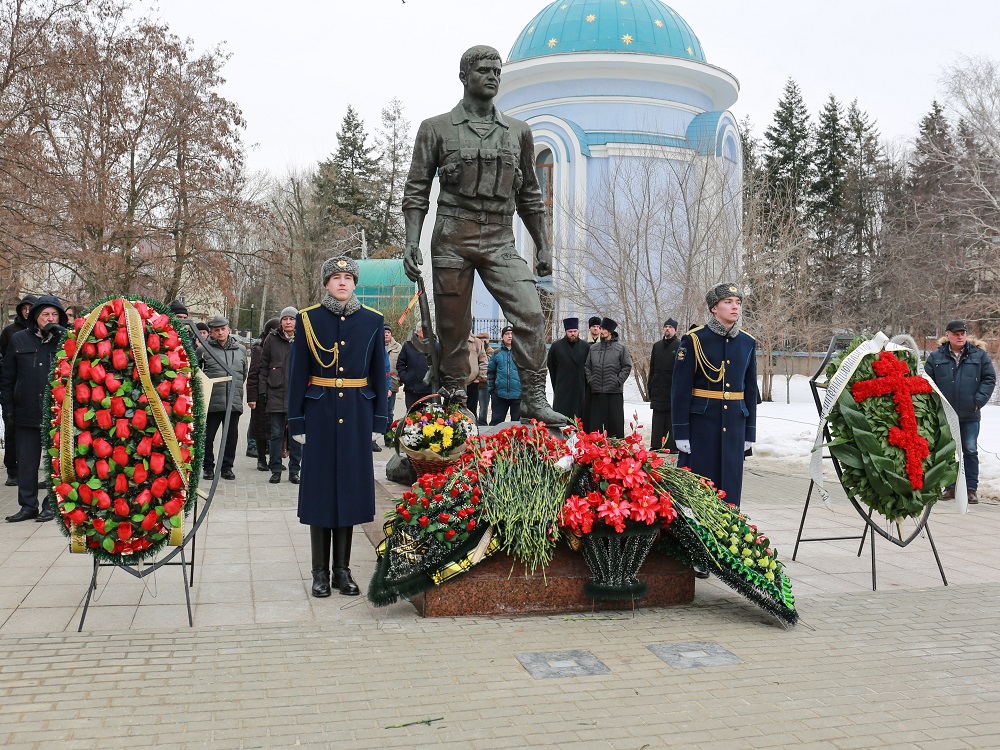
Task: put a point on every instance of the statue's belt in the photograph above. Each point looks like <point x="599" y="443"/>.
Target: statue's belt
<point x="340" y="382"/>
<point x="720" y="395"/>
<point x="481" y="217"/>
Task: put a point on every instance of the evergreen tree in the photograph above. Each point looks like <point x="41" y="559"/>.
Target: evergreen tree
<point x="788" y="155"/>
<point x="826" y="192"/>
<point x="395" y="149"/>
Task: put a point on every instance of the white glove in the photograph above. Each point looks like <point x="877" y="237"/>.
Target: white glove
<point x="684" y="446"/>
<point x="746" y="446"/>
<point x="300" y="439"/>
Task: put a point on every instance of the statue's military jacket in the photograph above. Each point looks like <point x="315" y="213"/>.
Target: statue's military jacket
<point x="714" y="405"/>
<point x="337" y="397"/>
<point x="483" y="177"/>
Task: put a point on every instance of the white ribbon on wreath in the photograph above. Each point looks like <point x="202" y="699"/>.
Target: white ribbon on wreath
<point x="879" y="342"/>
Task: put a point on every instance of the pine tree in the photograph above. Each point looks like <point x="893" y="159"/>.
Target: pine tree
<point x="788" y="155"/>
<point x="826" y="192"/>
<point x="395" y="149"/>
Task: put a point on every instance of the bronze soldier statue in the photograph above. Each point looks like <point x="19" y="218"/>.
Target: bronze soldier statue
<point x="485" y="164"/>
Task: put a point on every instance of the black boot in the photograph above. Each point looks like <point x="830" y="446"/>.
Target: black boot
<point x="342" y="580"/>
<point x="320" y="539"/>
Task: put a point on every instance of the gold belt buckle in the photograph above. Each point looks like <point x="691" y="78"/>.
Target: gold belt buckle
<point x="725" y="395"/>
<point x="340" y="382"/>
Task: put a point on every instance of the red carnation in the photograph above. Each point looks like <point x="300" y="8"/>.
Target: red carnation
<point x="122" y="430"/>
<point x="104" y="419"/>
<point x="406" y="515"/>
<point x="444" y="518"/>
<point x="102" y="448"/>
<point x="423" y="521"/>
<point x="174" y="481"/>
<point x="112" y="383"/>
<point x="117" y="306"/>
<point x="103" y="499"/>
<point x="63" y="368"/>
<point x="78" y="516"/>
<point x="99" y="525"/>
<point x="143" y="308"/>
<point x="159" y="486"/>
<point x="121" y="484"/>
<point x="157" y="462"/>
<point x="153" y="342"/>
<point x="86" y="494"/>
<point x="88" y="350"/>
<point x="102" y="469"/>
<point x="98" y="373"/>
<point x="120" y="455"/>
<point x="158" y="439"/>
<point x="180" y="384"/>
<point x="97" y="394"/>
<point x="63" y="489"/>
<point x="174" y="358"/>
<point x="471" y="525"/>
<point x="118" y="407"/>
<point x="78" y="324"/>
<point x="139" y="474"/>
<point x="124" y="530"/>
<point x="121" y="507"/>
<point x="119" y="359"/>
<point x="173" y="507"/>
<point x="100" y="330"/>
<point x="82" y="393"/>
<point x="81" y="468"/>
<point x="144" y="498"/>
<point x="172" y="340"/>
<point x="163" y="388"/>
<point x="150" y="521"/>
<point x="69" y="346"/>
<point x="59" y="393"/>
<point x="181" y="429"/>
<point x="139" y="419"/>
<point x="450" y="534"/>
<point x="155" y="365"/>
<point x="161" y="322"/>
<point x="145" y="447"/>
<point x="182" y="406"/>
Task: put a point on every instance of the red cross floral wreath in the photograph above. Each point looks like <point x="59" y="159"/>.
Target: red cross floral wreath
<point x="891" y="436"/>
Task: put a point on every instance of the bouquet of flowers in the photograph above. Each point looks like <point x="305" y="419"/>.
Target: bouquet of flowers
<point x="615" y="482"/>
<point x="442" y="507"/>
<point x="123" y="437"/>
<point x="435" y="433"/>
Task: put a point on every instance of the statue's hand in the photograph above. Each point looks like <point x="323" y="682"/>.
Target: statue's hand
<point x="412" y="260"/>
<point x="543" y="262"/>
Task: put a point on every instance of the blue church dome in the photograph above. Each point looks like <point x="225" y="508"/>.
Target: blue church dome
<point x="639" y="26"/>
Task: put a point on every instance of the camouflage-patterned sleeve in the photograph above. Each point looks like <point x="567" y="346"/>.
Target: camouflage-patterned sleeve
<point x="529" y="197"/>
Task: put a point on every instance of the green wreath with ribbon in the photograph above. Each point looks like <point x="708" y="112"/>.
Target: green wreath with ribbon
<point x="890" y="434"/>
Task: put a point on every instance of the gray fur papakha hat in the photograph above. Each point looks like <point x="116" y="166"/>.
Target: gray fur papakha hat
<point x="338" y="264"/>
<point x="720" y="292"/>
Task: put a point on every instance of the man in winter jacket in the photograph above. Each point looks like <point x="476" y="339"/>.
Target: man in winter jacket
<point x="274" y="385"/>
<point x="567" y="358"/>
<point x="411" y="366"/>
<point x="608" y="367"/>
<point x="964" y="373"/>
<point x="392" y="350"/>
<point x="479" y="360"/>
<point x="661" y="377"/>
<point x="484" y="387"/>
<point x="504" y="380"/>
<point x="24" y="381"/>
<point x="10" y="434"/>
<point x="230" y="351"/>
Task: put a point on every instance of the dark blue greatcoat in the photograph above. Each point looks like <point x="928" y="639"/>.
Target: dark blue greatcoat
<point x="338" y="476"/>
<point x="717" y="428"/>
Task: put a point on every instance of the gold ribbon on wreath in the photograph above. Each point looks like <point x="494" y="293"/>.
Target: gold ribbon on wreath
<point x="137" y="340"/>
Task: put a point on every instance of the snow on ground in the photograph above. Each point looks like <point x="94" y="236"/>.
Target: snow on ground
<point x="786" y="431"/>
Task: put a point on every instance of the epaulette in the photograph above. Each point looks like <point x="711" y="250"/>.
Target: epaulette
<point x="372" y="309"/>
<point x="311" y="307"/>
<point x="693" y="330"/>
<point x="748" y="334"/>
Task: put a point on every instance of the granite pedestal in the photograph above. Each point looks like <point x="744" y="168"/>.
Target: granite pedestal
<point x="498" y="586"/>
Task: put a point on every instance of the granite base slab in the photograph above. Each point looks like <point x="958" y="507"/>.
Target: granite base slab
<point x="499" y="586"/>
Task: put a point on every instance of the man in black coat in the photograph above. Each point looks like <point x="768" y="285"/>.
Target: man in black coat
<point x="24" y="381"/>
<point x="964" y="373"/>
<point x="274" y="383"/>
<point x="411" y="366"/>
<point x="9" y="433"/>
<point x="566" y="361"/>
<point x="661" y="377"/>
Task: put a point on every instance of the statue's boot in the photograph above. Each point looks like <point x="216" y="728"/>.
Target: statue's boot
<point x="534" y="405"/>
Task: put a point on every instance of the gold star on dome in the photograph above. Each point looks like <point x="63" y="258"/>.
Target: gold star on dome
<point x="563" y="7"/>
<point x="591" y="18"/>
<point x="553" y="42"/>
<point x="622" y="2"/>
<point x="690" y="51"/>
<point x="627" y="39"/>
<point x="658" y="22"/>
<point x="531" y="30"/>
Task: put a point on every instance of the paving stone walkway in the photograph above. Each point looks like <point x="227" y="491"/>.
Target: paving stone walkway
<point x="914" y="664"/>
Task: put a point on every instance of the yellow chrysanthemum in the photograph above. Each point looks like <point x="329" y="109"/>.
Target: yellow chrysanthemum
<point x="436" y="448"/>
<point x="428" y="429"/>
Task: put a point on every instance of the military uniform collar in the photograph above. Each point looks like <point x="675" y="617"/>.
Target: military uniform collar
<point x="460" y="114"/>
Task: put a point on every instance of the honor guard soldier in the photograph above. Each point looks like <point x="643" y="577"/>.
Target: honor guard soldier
<point x="714" y="394"/>
<point x="337" y="396"/>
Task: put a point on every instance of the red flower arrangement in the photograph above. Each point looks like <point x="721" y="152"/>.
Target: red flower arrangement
<point x="124" y="434"/>
<point x="442" y="506"/>
<point x="617" y="482"/>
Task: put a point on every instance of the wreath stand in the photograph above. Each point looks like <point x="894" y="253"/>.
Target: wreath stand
<point x="837" y="343"/>
<point x="142" y="570"/>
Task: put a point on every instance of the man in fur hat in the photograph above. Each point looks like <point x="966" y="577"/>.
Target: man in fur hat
<point x="714" y="394"/>
<point x="337" y="397"/>
<point x="608" y="367"/>
<point x="567" y="358"/>
<point x="962" y="369"/>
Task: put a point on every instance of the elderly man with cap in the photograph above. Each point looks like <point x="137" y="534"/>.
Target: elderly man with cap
<point x="9" y="433"/>
<point x="273" y="380"/>
<point x="714" y="394"/>
<point x="24" y="382"/>
<point x="337" y="397"/>
<point x="661" y="377"/>
<point x="222" y="356"/>
<point x="567" y="358"/>
<point x="504" y="380"/>
<point x="608" y="366"/>
<point x="963" y="372"/>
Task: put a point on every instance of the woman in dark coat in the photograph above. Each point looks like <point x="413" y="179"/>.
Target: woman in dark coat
<point x="260" y="422"/>
<point x="337" y="396"/>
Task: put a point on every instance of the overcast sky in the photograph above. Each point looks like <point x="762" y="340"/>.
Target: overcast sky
<point x="297" y="64"/>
